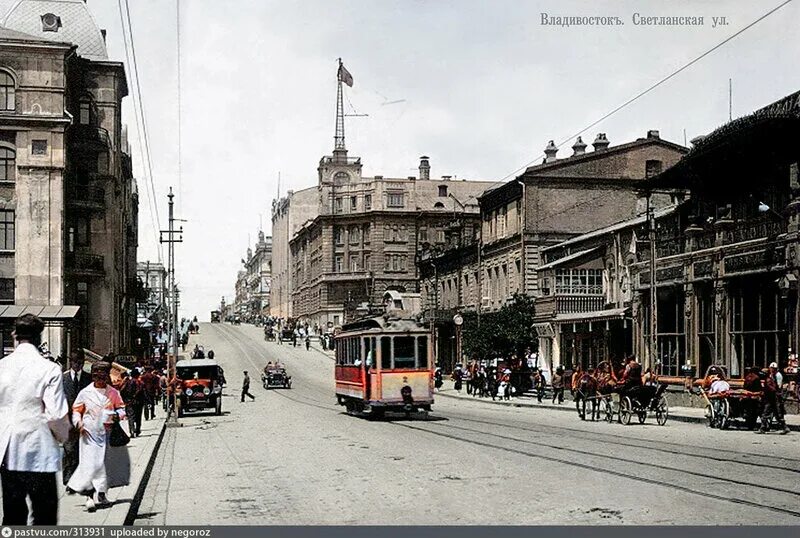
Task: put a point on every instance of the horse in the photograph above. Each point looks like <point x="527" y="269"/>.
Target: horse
<point x="587" y="390"/>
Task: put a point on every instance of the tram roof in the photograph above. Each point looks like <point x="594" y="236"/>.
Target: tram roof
<point x="383" y="324"/>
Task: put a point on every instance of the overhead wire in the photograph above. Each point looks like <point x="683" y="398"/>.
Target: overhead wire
<point x="144" y="149"/>
<point x="650" y="88"/>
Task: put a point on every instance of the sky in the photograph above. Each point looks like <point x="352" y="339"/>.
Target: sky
<point x="479" y="86"/>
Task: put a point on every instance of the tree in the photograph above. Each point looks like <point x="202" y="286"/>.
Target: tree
<point x="504" y="333"/>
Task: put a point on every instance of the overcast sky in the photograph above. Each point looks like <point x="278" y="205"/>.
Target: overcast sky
<point x="483" y="86"/>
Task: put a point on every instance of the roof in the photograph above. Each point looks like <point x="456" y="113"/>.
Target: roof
<point x="383" y="323"/>
<point x="77" y="25"/>
<point x="48" y="313"/>
<point x="597" y="315"/>
<point x="195" y="363"/>
<point x="8" y="34"/>
<point x="569" y="258"/>
<point x="641" y="219"/>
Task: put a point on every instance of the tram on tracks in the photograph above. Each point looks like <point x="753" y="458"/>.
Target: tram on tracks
<point x="384" y="364"/>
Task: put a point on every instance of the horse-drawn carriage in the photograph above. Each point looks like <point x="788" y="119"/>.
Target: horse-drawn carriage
<point x="729" y="406"/>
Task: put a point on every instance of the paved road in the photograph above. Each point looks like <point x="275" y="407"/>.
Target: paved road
<point x="294" y="457"/>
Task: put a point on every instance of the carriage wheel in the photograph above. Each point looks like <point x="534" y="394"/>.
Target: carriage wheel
<point x="710" y="415"/>
<point x="662" y="411"/>
<point x="625" y="410"/>
<point x="724" y="414"/>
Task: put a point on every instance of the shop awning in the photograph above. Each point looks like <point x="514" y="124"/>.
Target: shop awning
<point x="597" y="315"/>
<point x="566" y="259"/>
<point x="49" y="314"/>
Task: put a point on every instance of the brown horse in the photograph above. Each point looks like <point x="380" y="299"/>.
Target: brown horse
<point x="587" y="392"/>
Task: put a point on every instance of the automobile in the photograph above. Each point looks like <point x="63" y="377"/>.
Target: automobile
<point x="276" y="378"/>
<point x="200" y="388"/>
<point x="236" y="320"/>
<point x="215" y="316"/>
<point x="287" y="334"/>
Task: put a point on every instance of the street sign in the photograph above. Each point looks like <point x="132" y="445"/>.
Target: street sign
<point x="458" y="320"/>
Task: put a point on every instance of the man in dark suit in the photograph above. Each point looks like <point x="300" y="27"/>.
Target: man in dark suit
<point x="75" y="380"/>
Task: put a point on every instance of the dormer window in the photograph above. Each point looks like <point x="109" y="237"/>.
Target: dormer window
<point x="442" y="191"/>
<point x="50" y="22"/>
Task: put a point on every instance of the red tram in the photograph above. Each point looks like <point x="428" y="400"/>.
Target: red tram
<point x="384" y="364"/>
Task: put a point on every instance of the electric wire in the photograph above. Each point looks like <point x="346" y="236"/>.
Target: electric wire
<point x="146" y="163"/>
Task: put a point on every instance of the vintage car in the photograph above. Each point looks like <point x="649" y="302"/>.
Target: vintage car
<point x="200" y="388"/>
<point x="215" y="316"/>
<point x="276" y="377"/>
<point x="269" y="333"/>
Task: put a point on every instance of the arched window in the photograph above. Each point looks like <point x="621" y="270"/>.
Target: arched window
<point x="8" y="164"/>
<point x="438" y="205"/>
<point x="7" y="89"/>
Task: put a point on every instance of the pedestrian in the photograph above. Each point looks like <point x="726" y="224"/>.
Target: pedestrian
<point x="96" y="409"/>
<point x="132" y="393"/>
<point x="151" y="385"/>
<point x="457" y="379"/>
<point x="539" y="384"/>
<point x="557" y="384"/>
<point x="33" y="421"/>
<point x="772" y="402"/>
<point x="308" y="343"/>
<point x="74" y="380"/>
<point x="246" y="387"/>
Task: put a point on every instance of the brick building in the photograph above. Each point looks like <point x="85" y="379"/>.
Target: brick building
<point x="366" y="236"/>
<point x="69" y="201"/>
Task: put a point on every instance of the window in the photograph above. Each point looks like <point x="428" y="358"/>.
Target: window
<point x="85" y="115"/>
<point x="7" y="291"/>
<point x="366" y="234"/>
<point x="102" y="162"/>
<point x="367" y="202"/>
<point x="652" y="168"/>
<point x="354" y="266"/>
<point x="39" y="147"/>
<point x="438" y="205"/>
<point x="338" y="205"/>
<point x="579" y="281"/>
<point x="442" y="191"/>
<point x="395" y="199"/>
<point x="7" y="229"/>
<point x="338" y="236"/>
<point x="440" y="236"/>
<point x="366" y="262"/>
<point x="7" y="89"/>
<point x="83" y="232"/>
<point x="404" y="352"/>
<point x="354" y="235"/>
<point x="353" y="203"/>
<point x="386" y="352"/>
<point x="50" y="22"/>
<point x="82" y="295"/>
<point x="8" y="164"/>
<point x="338" y="264"/>
<point x="423" y="235"/>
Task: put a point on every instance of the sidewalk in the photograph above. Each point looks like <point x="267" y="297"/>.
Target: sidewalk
<point x="125" y="499"/>
<point x="680" y="414"/>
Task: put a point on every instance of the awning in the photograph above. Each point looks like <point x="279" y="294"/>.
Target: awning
<point x="596" y="315"/>
<point x="49" y="314"/>
<point x="565" y="259"/>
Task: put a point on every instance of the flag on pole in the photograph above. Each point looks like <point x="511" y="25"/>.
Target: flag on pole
<point x="345" y="76"/>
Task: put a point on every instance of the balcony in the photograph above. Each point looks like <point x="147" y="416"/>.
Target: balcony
<point x="89" y="137"/>
<point x="85" y="265"/>
<point x="86" y="197"/>
<point x="551" y="305"/>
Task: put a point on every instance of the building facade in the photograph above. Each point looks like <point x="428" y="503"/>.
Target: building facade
<point x="258" y="269"/>
<point x="368" y="233"/>
<point x="70" y="203"/>
<point x="153" y="276"/>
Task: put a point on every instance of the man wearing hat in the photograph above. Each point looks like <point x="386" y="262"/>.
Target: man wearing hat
<point x="33" y="421"/>
<point x="246" y="387"/>
<point x="772" y="402"/>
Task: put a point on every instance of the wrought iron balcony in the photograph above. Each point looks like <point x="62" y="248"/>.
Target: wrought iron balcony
<point x="568" y="304"/>
<point x="89" y="137"/>
<point x="85" y="196"/>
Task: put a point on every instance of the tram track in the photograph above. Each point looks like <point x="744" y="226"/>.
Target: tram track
<point x="560" y="454"/>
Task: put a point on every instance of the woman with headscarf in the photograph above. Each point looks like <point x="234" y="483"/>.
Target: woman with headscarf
<point x="95" y="410"/>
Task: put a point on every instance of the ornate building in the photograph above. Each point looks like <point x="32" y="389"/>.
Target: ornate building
<point x="69" y="202"/>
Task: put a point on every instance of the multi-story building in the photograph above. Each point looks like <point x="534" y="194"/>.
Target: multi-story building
<point x="367" y="234"/>
<point x="68" y="196"/>
<point x="288" y="214"/>
<point x="258" y="267"/>
<point x="154" y="277"/>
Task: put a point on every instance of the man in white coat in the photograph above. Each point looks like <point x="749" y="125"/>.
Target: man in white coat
<point x="33" y="421"/>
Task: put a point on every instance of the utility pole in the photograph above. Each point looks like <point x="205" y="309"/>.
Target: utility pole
<point x="172" y="236"/>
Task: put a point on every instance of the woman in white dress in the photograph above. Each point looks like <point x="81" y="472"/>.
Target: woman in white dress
<point x="95" y="410"/>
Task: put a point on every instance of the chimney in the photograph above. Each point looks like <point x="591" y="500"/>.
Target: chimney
<point x="601" y="142"/>
<point x="579" y="147"/>
<point x="447" y="178"/>
<point x="424" y="168"/>
<point x="103" y="33"/>
<point x="550" y="152"/>
<point x="652" y="133"/>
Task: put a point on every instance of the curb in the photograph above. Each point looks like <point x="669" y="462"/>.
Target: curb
<point x="133" y="509"/>
<point x="677" y="418"/>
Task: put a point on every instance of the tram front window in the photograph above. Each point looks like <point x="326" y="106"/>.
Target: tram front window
<point x="404" y="352"/>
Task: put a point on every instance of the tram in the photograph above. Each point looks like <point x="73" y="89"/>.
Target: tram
<point x="384" y="364"/>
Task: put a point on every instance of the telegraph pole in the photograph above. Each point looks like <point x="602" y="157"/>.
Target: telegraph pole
<point x="653" y="343"/>
<point x="172" y="236"/>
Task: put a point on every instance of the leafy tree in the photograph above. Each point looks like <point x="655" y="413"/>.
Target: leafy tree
<point x="503" y="333"/>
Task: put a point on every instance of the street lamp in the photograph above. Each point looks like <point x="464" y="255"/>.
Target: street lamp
<point x="458" y="321"/>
